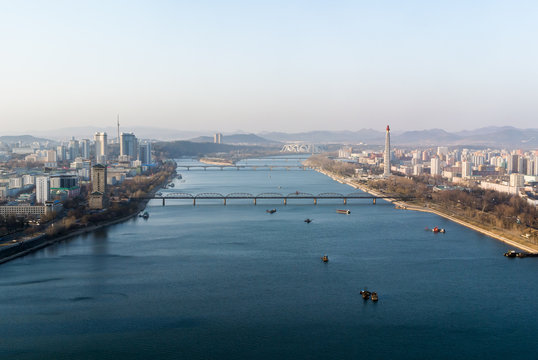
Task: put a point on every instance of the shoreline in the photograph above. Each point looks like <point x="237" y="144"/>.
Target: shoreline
<point x="403" y="205"/>
<point x="41" y="245"/>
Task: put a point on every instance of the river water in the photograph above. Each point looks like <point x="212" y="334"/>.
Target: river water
<point x="234" y="282"/>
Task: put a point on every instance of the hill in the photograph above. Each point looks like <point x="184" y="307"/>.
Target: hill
<point x="238" y="139"/>
<point x="25" y="139"/>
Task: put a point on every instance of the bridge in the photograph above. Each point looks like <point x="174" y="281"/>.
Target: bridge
<point x="269" y="196"/>
<point x="238" y="167"/>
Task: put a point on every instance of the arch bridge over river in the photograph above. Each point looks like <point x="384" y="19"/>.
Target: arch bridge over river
<point x="270" y="196"/>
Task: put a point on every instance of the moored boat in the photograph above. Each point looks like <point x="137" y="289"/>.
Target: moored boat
<point x="438" y="230"/>
<point x="365" y="294"/>
<point x="374" y="296"/>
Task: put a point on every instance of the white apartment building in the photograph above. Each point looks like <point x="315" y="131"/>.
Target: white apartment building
<point x="42" y="189"/>
<point x="466" y="170"/>
<point x="435" y="165"/>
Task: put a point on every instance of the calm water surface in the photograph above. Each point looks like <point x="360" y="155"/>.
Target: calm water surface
<point x="233" y="282"/>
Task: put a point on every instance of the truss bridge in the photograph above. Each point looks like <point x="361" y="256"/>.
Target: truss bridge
<point x="284" y="198"/>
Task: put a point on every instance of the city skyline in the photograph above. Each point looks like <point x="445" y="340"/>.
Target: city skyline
<point x="269" y="66"/>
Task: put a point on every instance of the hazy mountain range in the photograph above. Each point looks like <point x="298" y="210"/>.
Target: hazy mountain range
<point x="505" y="136"/>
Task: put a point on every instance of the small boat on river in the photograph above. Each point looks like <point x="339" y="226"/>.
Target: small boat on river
<point x="325" y="258"/>
<point x="347" y="212"/>
<point x="145" y="215"/>
<point x="365" y="294"/>
<point x="308" y="221"/>
<point x="272" y="211"/>
<point x="374" y="296"/>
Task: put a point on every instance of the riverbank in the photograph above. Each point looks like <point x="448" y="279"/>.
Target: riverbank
<point x="506" y="238"/>
<point x="26" y="246"/>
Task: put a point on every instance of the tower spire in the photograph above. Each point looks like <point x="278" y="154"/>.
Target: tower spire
<point x="118" y="122"/>
<point x="386" y="170"/>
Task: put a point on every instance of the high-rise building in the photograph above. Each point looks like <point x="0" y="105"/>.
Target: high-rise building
<point x="97" y="198"/>
<point x="128" y="145"/>
<point x="435" y="166"/>
<point x="217" y="139"/>
<point x="73" y="149"/>
<point x="61" y="153"/>
<point x="442" y="150"/>
<point x="42" y="189"/>
<point x="386" y="171"/>
<point x="101" y="148"/>
<point x="85" y="149"/>
<point x="28" y="179"/>
<point x="513" y="163"/>
<point x="51" y="156"/>
<point x="517" y="180"/>
<point x="466" y="170"/>
<point x="99" y="178"/>
<point x="144" y="153"/>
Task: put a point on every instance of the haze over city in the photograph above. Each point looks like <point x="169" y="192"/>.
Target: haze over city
<point x="268" y="66"/>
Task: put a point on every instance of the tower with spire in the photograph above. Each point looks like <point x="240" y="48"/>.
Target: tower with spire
<point x="386" y="172"/>
<point x="118" y="123"/>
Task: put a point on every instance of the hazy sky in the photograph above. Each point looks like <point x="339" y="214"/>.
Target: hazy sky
<point x="268" y="65"/>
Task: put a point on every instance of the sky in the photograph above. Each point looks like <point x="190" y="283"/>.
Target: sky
<point x="274" y="65"/>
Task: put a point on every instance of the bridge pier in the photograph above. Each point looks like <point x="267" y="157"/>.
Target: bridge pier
<point x="224" y="201"/>
<point x="254" y="201"/>
<point x="315" y="201"/>
<point x="193" y="202"/>
<point x="374" y="201"/>
<point x="285" y="201"/>
<point x="345" y="201"/>
<point x="163" y="202"/>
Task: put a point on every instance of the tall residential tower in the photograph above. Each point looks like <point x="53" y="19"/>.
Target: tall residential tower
<point x="386" y="171"/>
<point x="101" y="150"/>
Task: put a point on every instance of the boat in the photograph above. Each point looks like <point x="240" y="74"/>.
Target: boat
<point x="374" y="296"/>
<point x="438" y="230"/>
<point x="347" y="212"/>
<point x="325" y="258"/>
<point x="511" y="253"/>
<point x="171" y="185"/>
<point x="308" y="221"/>
<point x="365" y="294"/>
<point x="179" y="177"/>
<point x="145" y="215"/>
<point x="272" y="211"/>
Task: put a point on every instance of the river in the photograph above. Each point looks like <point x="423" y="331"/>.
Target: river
<point x="234" y="282"/>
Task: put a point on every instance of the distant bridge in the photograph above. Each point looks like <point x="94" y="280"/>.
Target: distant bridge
<point x="303" y="148"/>
<point x="238" y="167"/>
<point x="269" y="196"/>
